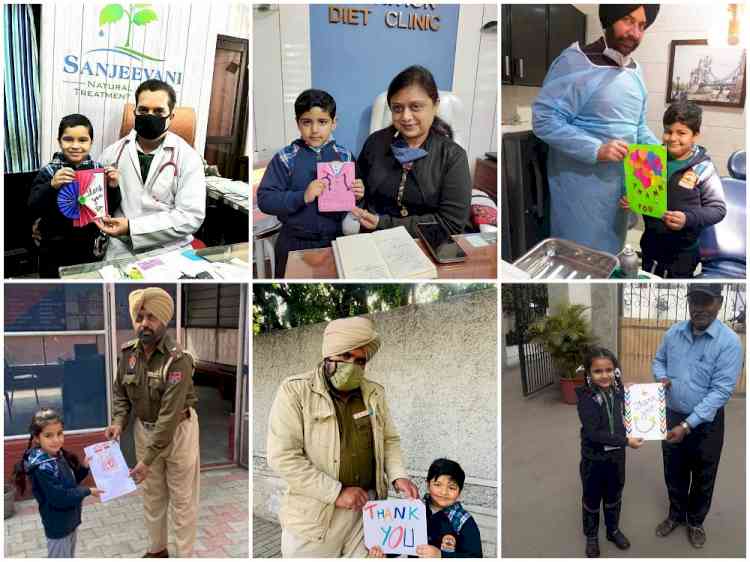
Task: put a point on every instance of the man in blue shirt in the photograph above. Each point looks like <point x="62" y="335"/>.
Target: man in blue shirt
<point x="699" y="362"/>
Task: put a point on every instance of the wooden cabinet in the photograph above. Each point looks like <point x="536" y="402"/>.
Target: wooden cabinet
<point x="533" y="35"/>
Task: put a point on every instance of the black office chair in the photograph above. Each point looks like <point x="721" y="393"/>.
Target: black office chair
<point x="736" y="165"/>
<point x="12" y="384"/>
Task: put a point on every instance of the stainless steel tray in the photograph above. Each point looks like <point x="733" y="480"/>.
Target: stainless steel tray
<point x="554" y="258"/>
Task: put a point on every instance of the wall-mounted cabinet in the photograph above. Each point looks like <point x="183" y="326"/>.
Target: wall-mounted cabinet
<point x="533" y="35"/>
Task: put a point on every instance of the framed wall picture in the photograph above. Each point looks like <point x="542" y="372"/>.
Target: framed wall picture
<point x="706" y="75"/>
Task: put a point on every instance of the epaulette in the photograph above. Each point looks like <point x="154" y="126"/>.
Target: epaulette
<point x="129" y="344"/>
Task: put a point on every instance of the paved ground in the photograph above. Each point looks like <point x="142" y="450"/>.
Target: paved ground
<point x="115" y="529"/>
<point x="266" y="538"/>
<point x="541" y="487"/>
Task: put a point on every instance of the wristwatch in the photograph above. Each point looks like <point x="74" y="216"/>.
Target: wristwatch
<point x="685" y="426"/>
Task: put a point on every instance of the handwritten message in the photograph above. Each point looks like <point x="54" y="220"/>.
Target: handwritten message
<point x="645" y="411"/>
<point x="396" y="526"/>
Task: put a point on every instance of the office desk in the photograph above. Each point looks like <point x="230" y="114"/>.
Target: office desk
<point x="481" y="262"/>
<point x="222" y="254"/>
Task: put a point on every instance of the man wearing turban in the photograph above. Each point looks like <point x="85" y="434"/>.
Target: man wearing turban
<point x="332" y="440"/>
<point x="154" y="385"/>
<point x="591" y="107"/>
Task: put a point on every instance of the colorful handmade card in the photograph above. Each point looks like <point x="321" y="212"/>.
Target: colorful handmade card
<point x="85" y="199"/>
<point x="396" y="526"/>
<point x="646" y="411"/>
<point x="339" y="180"/>
<point x="646" y="179"/>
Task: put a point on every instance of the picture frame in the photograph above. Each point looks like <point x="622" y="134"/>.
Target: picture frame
<point x="705" y="75"/>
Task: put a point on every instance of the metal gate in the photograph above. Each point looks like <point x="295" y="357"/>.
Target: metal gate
<point x="529" y="303"/>
<point x="648" y="310"/>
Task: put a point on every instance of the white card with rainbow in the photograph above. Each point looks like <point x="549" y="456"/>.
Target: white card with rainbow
<point x="646" y="411"/>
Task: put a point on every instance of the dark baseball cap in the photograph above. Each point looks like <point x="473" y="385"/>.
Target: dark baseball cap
<point x="712" y="289"/>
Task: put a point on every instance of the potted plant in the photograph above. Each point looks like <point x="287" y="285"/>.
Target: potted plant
<point x="565" y="335"/>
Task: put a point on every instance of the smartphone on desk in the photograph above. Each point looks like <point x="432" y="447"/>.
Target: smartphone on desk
<point x="440" y="243"/>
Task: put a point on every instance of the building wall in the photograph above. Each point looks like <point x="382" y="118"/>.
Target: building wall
<point x="723" y="129"/>
<point x="438" y="364"/>
<point x="180" y="44"/>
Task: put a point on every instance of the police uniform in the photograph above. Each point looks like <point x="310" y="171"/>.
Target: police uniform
<point x="158" y="391"/>
<point x="603" y="444"/>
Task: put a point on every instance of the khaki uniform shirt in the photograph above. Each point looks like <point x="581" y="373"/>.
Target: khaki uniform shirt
<point x="357" y="466"/>
<point x="157" y="390"/>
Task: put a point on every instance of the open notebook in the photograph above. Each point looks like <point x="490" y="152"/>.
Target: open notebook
<point x="384" y="254"/>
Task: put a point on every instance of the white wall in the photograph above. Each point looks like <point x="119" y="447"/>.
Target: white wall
<point x="475" y="77"/>
<point x="184" y="36"/>
<point x="281" y="70"/>
<point x="723" y="129"/>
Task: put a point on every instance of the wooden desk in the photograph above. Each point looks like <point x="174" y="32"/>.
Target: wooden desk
<point x="481" y="263"/>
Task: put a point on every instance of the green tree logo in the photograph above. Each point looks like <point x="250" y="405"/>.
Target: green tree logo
<point x="138" y="14"/>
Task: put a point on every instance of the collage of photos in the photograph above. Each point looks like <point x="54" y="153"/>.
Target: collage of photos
<point x="363" y="379"/>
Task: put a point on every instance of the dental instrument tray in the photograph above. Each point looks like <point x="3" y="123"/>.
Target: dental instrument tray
<point x="554" y="258"/>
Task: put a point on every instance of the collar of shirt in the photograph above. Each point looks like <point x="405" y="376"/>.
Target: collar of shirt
<point x="713" y="330"/>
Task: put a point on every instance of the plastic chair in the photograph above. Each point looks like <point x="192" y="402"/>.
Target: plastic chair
<point x="736" y="165"/>
<point x="11" y="385"/>
<point x="450" y="110"/>
<point x="723" y="246"/>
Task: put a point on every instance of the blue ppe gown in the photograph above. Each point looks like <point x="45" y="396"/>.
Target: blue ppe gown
<point x="580" y="107"/>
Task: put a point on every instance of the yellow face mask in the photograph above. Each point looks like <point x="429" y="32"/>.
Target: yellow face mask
<point x="347" y="376"/>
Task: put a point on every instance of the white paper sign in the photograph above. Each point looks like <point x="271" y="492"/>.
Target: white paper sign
<point x="646" y="411"/>
<point x="396" y="526"/>
<point x="95" y="195"/>
<point x="109" y="469"/>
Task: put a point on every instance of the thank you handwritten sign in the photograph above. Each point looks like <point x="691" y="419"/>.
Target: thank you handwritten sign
<point x="645" y="411"/>
<point x="396" y="526"/>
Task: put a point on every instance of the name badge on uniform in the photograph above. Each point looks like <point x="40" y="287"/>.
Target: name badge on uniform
<point x="688" y="180"/>
<point x="360" y="415"/>
<point x="131" y="364"/>
<point x="610" y="448"/>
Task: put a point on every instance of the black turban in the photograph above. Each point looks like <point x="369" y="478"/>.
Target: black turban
<point x="610" y="13"/>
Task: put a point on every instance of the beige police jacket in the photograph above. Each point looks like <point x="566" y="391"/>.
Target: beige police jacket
<point x="304" y="449"/>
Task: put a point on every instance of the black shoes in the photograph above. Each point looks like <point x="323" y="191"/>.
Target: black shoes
<point x="592" y="547"/>
<point x="161" y="554"/>
<point x="620" y="540"/>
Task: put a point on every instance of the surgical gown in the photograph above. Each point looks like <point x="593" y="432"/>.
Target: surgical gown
<point x="580" y="107"/>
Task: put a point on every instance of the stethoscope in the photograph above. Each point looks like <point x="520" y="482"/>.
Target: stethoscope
<point x="171" y="162"/>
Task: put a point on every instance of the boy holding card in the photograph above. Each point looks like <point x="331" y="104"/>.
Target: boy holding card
<point x="451" y="530"/>
<point x="695" y="197"/>
<point x="290" y="185"/>
<point x="60" y="242"/>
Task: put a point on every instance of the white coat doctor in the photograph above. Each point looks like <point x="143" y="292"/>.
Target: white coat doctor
<point x="166" y="208"/>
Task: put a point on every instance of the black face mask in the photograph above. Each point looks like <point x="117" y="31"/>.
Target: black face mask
<point x="150" y="127"/>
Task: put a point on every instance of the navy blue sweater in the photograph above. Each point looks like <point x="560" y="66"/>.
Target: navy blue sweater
<point x="454" y="520"/>
<point x="56" y="488"/>
<point x="282" y="190"/>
